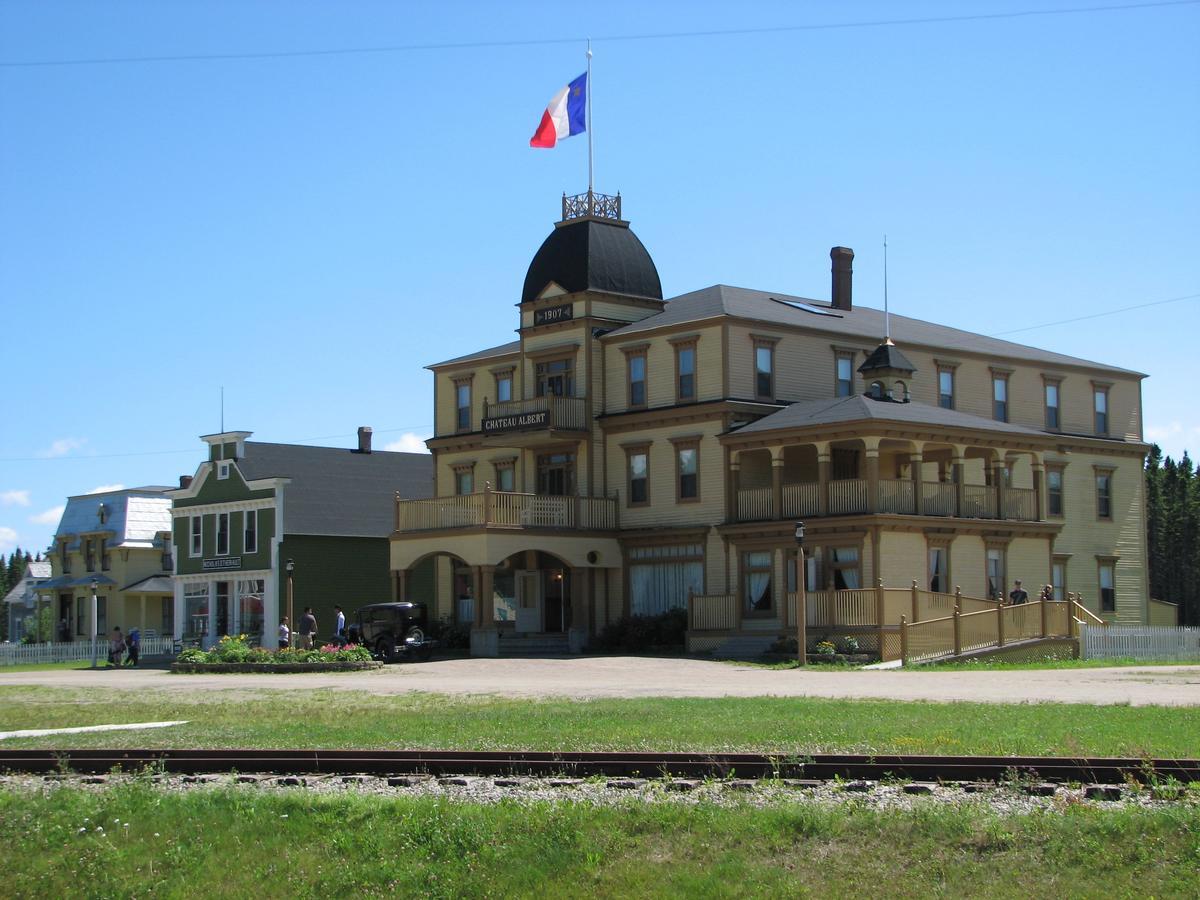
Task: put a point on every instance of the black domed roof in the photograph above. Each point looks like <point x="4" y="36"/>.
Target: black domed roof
<point x="589" y="254"/>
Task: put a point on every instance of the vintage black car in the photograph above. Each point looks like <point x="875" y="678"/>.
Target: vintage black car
<point x="392" y="630"/>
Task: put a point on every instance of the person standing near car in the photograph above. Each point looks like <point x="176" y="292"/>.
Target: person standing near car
<point x="339" y="634"/>
<point x="308" y="627"/>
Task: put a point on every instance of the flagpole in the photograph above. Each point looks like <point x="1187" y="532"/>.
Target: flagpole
<point x="589" y="117"/>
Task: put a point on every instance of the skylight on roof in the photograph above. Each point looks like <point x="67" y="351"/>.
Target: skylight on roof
<point x="807" y="307"/>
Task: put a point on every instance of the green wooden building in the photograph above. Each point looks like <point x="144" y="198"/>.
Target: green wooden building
<point x="252" y="507"/>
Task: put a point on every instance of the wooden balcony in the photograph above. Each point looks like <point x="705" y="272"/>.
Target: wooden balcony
<point x="852" y="496"/>
<point x="507" y="510"/>
<point x="533" y="422"/>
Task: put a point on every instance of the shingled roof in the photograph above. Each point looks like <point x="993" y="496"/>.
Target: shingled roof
<point x="339" y="492"/>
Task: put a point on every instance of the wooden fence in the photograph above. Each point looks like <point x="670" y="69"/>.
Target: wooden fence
<point x="1147" y="642"/>
<point x="960" y="632"/>
<point x="72" y="651"/>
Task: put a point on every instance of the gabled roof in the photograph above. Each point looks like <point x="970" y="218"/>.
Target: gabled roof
<point x="338" y="492"/>
<point x="860" y="408"/>
<point x="861" y="323"/>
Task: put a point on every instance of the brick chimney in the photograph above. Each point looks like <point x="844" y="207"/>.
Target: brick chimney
<point x="843" y="277"/>
<point x="185" y="481"/>
<point x="364" y="439"/>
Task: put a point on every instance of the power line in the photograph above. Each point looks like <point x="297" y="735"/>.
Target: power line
<point x="1110" y="312"/>
<point x="616" y="38"/>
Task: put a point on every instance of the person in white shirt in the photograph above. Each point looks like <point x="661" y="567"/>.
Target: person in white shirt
<point x="285" y="635"/>
<point x="340" y="631"/>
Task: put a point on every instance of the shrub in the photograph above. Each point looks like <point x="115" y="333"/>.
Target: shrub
<point x="193" y="655"/>
<point x="850" y="644"/>
<point x="450" y="635"/>
<point x="634" y="633"/>
<point x="826" y="648"/>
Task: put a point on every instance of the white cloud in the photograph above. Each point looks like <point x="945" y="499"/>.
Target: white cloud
<point x="1174" y="438"/>
<point x="14" y="498"/>
<point x="408" y="443"/>
<point x="8" y="539"/>
<point x="63" y="446"/>
<point x="51" y="516"/>
<point x="105" y="488"/>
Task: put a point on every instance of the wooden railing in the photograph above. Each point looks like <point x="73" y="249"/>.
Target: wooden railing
<point x="937" y="498"/>
<point x="506" y="509"/>
<point x="754" y="504"/>
<point x="712" y="612"/>
<point x="566" y="413"/>
<point x="849" y="607"/>
<point x="896" y="496"/>
<point x="978" y="502"/>
<point x="848" y="495"/>
<point x="1020" y="504"/>
<point x="802" y="499"/>
<point x="990" y="628"/>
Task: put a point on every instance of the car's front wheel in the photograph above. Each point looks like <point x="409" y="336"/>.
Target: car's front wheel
<point x="415" y="635"/>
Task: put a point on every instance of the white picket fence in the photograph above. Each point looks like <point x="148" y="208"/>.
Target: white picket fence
<point x="1139" y="642"/>
<point x="24" y="654"/>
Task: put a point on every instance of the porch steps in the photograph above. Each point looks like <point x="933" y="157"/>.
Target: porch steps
<point x="745" y="646"/>
<point x="534" y="645"/>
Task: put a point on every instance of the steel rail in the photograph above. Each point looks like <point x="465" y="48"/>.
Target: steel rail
<point x="1104" y="770"/>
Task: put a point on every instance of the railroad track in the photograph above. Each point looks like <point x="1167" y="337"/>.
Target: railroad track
<point x="1098" y="770"/>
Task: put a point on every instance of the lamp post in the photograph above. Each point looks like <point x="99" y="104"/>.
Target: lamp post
<point x="291" y="567"/>
<point x="801" y="597"/>
<point x="95" y="611"/>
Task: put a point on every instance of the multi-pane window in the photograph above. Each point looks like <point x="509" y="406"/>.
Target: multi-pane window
<point x="844" y="568"/>
<point x="1108" y="590"/>
<point x="1100" y="403"/>
<point x="105" y="560"/>
<point x="196" y="536"/>
<point x="685" y="372"/>
<point x="995" y="573"/>
<point x="505" y="477"/>
<point x="503" y="387"/>
<point x="756" y="581"/>
<point x="844" y="375"/>
<point x="639" y="483"/>
<point x="89" y="555"/>
<point x="223" y="534"/>
<point x="462" y="405"/>
<point x="464" y="480"/>
<point x="764" y="371"/>
<point x="64" y="558"/>
<point x="688" y="459"/>
<point x="1104" y="495"/>
<point x="946" y="388"/>
<point x="939" y="570"/>
<point x="1054" y="492"/>
<point x="1052" y="411"/>
<point x="1000" y="398"/>
<point x="636" y="363"/>
<point x="250" y="532"/>
<point x="555" y="378"/>
<point x="556" y="474"/>
<point x="1058" y="578"/>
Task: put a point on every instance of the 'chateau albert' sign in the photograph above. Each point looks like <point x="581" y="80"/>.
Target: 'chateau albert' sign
<point x="497" y="424"/>
<point x="551" y="314"/>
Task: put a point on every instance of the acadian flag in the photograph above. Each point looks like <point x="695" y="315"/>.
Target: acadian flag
<point x="565" y="115"/>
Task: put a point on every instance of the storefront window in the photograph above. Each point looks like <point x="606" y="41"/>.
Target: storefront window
<point x="195" y="610"/>
<point x="250" y="609"/>
<point x="661" y="577"/>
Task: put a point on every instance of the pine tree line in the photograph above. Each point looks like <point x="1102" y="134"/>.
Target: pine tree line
<point x="10" y="573"/>
<point x="1173" y="532"/>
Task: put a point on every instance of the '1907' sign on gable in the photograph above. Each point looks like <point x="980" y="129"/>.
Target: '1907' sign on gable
<point x="513" y="423"/>
<point x="552" y="314"/>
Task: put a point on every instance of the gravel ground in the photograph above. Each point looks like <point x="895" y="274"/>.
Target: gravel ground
<point x="1015" y="798"/>
<point x="587" y="677"/>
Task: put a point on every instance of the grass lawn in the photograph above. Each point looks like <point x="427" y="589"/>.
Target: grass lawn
<point x="345" y="719"/>
<point x="250" y="842"/>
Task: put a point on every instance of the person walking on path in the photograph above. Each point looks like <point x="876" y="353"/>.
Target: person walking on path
<point x="116" y="648"/>
<point x="308" y="628"/>
<point x="133" y="647"/>
<point x="1018" y="594"/>
<point x="285" y="634"/>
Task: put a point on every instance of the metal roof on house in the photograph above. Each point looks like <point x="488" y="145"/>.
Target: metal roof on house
<point x="132" y="516"/>
<point x="35" y="574"/>
<point x="860" y="408"/>
<point x="339" y="492"/>
<point x="593" y="255"/>
<point x="155" y="584"/>
<point x="502" y="350"/>
<point x="862" y="323"/>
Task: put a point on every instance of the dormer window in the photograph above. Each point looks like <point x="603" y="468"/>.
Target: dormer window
<point x="222" y="471"/>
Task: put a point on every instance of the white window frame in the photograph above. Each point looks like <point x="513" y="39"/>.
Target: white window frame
<point x="222" y="471"/>
<point x="195" y="536"/>
<point x="248" y="533"/>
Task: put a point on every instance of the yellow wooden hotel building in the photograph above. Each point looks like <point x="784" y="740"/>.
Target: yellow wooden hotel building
<point x="627" y="454"/>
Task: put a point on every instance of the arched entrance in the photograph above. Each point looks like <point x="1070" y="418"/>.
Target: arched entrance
<point x="533" y="590"/>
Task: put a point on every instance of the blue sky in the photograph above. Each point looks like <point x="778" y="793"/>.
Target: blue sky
<point x="310" y="231"/>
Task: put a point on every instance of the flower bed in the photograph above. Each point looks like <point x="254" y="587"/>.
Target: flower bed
<point x="234" y="654"/>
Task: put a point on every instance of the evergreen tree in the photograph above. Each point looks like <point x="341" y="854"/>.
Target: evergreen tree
<point x="1173" y="532"/>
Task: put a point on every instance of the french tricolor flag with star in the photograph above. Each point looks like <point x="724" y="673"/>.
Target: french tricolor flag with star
<point x="565" y="115"/>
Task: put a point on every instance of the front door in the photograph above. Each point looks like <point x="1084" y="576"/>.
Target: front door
<point x="529" y="601"/>
<point x="556" y="474"/>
